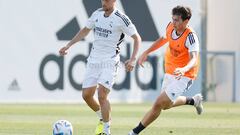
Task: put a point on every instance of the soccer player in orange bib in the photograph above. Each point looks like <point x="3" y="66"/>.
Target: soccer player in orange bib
<point x="181" y="67"/>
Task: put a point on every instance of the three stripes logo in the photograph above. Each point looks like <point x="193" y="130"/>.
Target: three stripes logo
<point x="125" y="20"/>
<point x="145" y="25"/>
<point x="191" y="38"/>
<point x="14" y="86"/>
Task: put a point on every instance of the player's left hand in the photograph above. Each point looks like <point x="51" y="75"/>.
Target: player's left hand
<point x="179" y="72"/>
<point x="129" y="65"/>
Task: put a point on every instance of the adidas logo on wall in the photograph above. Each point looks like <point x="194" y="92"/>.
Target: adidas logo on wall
<point x="14" y="86"/>
<point x="148" y="33"/>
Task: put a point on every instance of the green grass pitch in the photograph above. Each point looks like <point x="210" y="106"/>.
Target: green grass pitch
<point x="37" y="119"/>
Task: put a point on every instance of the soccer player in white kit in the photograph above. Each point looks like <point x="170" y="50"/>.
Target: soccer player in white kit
<point x="109" y="26"/>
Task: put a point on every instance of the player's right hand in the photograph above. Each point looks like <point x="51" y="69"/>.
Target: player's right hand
<point x="142" y="59"/>
<point x="63" y="51"/>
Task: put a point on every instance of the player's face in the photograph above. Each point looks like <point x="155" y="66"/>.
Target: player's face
<point x="178" y="23"/>
<point x="108" y="4"/>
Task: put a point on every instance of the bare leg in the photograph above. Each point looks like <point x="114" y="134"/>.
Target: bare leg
<point x="196" y="101"/>
<point x="181" y="100"/>
<point x="87" y="95"/>
<point x="104" y="103"/>
<point x="105" y="108"/>
<point x="162" y="102"/>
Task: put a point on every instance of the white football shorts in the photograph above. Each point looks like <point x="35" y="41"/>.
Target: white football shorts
<point x="103" y="73"/>
<point x="174" y="87"/>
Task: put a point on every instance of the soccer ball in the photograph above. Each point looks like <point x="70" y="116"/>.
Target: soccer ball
<point x="62" y="127"/>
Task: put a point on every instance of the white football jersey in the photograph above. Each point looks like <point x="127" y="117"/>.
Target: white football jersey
<point x="108" y="33"/>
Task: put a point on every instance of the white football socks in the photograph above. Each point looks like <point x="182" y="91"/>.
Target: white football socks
<point x="99" y="114"/>
<point x="106" y="128"/>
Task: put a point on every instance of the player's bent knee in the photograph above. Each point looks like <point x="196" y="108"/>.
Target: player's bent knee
<point x="162" y="105"/>
<point x="86" y="95"/>
<point x="167" y="106"/>
<point x="158" y="106"/>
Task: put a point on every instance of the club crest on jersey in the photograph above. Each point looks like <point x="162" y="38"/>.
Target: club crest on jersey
<point x="107" y="82"/>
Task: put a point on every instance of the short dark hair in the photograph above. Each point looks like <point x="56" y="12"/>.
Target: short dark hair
<point x="184" y="12"/>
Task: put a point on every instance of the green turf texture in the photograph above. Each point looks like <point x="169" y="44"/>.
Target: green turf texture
<point x="37" y="119"/>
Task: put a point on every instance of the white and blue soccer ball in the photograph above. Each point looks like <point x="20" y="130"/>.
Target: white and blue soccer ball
<point x="62" y="127"/>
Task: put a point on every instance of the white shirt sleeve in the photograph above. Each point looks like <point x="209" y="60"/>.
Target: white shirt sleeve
<point x="91" y="21"/>
<point x="192" y="42"/>
<point x="128" y="27"/>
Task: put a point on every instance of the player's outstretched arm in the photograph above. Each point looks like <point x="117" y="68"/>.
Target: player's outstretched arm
<point x="79" y="36"/>
<point x="131" y="62"/>
<point x="157" y="44"/>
